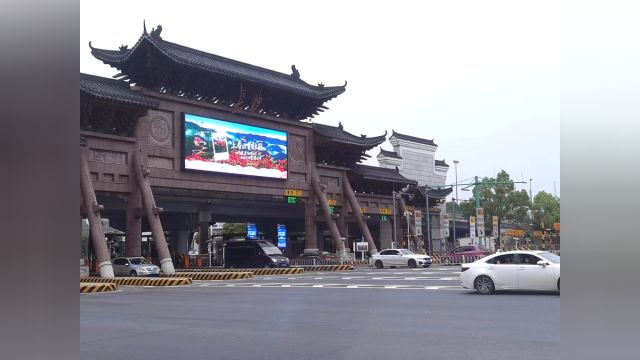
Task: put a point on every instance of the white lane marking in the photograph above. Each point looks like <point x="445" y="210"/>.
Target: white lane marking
<point x="256" y="285"/>
<point x="318" y="278"/>
<point x="391" y="287"/>
<point x="318" y="286"/>
<point x="352" y="286"/>
<point x="230" y="285"/>
<point x="285" y="285"/>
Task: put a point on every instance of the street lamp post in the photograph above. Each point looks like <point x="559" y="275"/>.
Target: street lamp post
<point x="455" y="203"/>
<point x="393" y="246"/>
<point x="428" y="244"/>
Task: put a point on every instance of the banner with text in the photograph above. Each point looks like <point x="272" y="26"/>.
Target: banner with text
<point x="480" y="221"/>
<point x="418" y="217"/>
<point x="472" y="226"/>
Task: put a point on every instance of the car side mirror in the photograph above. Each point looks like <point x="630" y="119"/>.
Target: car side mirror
<point x="542" y="263"/>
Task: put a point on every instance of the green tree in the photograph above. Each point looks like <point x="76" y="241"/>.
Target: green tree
<point x="230" y="230"/>
<point x="546" y="208"/>
<point x="500" y="200"/>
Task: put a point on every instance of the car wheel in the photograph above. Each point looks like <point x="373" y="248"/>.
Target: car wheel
<point x="427" y="266"/>
<point x="484" y="285"/>
<point x="379" y="264"/>
<point x="133" y="273"/>
<point x="412" y="263"/>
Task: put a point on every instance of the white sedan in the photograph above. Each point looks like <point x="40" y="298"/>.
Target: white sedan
<point x="513" y="270"/>
<point x="399" y="257"/>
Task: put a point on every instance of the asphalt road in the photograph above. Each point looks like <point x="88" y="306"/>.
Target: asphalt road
<point x="361" y="314"/>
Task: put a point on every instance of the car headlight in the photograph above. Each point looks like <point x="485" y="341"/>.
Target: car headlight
<point x="274" y="260"/>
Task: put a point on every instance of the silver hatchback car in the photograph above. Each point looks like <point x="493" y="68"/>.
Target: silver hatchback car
<point x="134" y="266"/>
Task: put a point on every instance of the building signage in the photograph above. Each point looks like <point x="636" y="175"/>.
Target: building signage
<point x="362" y="246"/>
<point x="472" y="226"/>
<point x="292" y="200"/>
<point x="556" y="226"/>
<point x="291" y="192"/>
<point x="384" y="211"/>
<point x="364" y="210"/>
<point x="480" y="221"/>
<point x="514" y="232"/>
<point x="332" y="202"/>
<point x="282" y="236"/>
<point x="444" y="225"/>
<point x="494" y="223"/>
<point x="227" y="147"/>
<point x="418" y="217"/>
<point x="252" y="231"/>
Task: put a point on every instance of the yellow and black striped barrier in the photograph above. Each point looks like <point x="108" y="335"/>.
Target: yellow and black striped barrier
<point x="255" y="271"/>
<point x="327" y="267"/>
<point x="201" y="275"/>
<point x="88" y="287"/>
<point x="436" y="258"/>
<point x="140" y="281"/>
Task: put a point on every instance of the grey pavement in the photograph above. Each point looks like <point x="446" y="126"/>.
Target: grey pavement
<point x="361" y="314"/>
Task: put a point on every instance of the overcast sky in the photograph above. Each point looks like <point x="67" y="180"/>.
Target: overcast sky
<point x="480" y="78"/>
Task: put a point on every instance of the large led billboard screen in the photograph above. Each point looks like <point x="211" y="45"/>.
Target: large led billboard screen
<point x="228" y="147"/>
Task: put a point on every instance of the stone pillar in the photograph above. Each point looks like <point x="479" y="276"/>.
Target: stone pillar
<point x="310" y="226"/>
<point x="412" y="225"/>
<point x="92" y="210"/>
<point x="353" y="201"/>
<point x="343" y="226"/>
<point x="324" y="206"/>
<point x="133" y="240"/>
<point x="152" y="212"/>
<point x="386" y="234"/>
<point x="204" y="221"/>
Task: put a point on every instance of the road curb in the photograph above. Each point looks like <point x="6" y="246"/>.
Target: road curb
<point x="92" y="287"/>
<point x="137" y="281"/>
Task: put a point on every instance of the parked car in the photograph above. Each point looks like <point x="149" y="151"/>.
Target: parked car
<point x="513" y="270"/>
<point x="253" y="254"/>
<point x="134" y="266"/>
<point x="470" y="250"/>
<point x="399" y="257"/>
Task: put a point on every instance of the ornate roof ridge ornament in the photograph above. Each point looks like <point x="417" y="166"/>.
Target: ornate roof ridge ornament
<point x="144" y="27"/>
<point x="340" y="125"/>
<point x="123" y="47"/>
<point x="155" y="32"/>
<point x="294" y="72"/>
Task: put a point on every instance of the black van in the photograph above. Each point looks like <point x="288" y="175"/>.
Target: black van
<point x="253" y="254"/>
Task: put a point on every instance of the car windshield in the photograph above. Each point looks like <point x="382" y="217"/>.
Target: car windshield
<point x="406" y="252"/>
<point x="483" y="248"/>
<point x="550" y="256"/>
<point x="270" y="249"/>
<point x="137" y="261"/>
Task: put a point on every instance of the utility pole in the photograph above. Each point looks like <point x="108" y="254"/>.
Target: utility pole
<point x="428" y="244"/>
<point x="393" y="246"/>
<point x="530" y="196"/>
<point x="455" y="203"/>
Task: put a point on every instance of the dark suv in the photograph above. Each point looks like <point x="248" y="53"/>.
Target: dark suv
<point x="253" y="254"/>
<point x="470" y="250"/>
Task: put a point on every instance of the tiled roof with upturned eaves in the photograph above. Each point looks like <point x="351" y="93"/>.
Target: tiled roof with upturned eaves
<point x="368" y="172"/>
<point x="391" y="154"/>
<point x="413" y="138"/>
<point x="115" y="91"/>
<point x="337" y="134"/>
<point x="219" y="65"/>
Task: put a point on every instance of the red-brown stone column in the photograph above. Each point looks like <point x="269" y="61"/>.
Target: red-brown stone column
<point x="351" y="197"/>
<point x="92" y="210"/>
<point x="133" y="241"/>
<point x="310" y="226"/>
<point x="324" y="207"/>
<point x="152" y="212"/>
